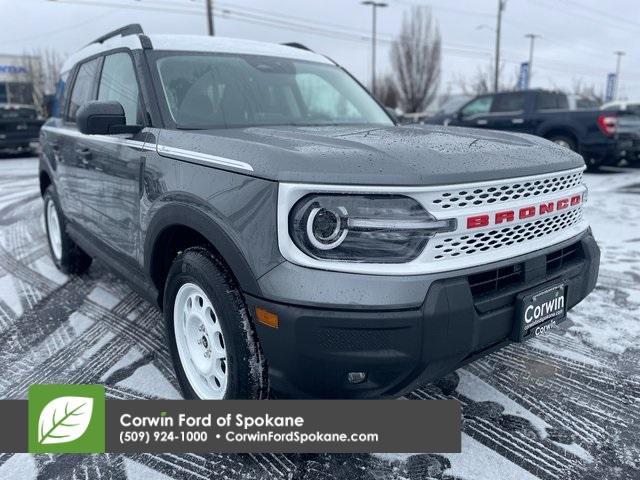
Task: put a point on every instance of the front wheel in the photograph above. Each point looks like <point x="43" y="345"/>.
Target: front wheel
<point x="213" y="344"/>
<point x="66" y="254"/>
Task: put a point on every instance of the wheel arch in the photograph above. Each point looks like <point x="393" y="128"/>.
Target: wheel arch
<point x="45" y="180"/>
<point x="561" y="130"/>
<point x="175" y="227"/>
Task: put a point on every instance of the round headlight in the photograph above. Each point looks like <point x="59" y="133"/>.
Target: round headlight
<point x="327" y="228"/>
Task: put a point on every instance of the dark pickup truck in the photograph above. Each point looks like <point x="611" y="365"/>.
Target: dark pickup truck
<point x="19" y="128"/>
<point x="592" y="133"/>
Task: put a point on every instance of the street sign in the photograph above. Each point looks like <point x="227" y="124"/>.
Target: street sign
<point x="523" y="79"/>
<point x="611" y="87"/>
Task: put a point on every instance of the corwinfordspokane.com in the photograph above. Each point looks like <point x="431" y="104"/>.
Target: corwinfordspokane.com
<point x="299" y="437"/>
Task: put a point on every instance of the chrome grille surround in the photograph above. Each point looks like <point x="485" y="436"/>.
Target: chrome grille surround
<point x="486" y="195"/>
<point x="455" y="250"/>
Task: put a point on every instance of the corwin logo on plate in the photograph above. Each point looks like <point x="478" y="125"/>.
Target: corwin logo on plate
<point x="66" y="419"/>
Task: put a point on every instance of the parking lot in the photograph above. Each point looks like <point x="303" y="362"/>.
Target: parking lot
<point x="563" y="406"/>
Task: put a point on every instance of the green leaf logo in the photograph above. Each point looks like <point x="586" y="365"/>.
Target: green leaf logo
<point x="64" y="419"/>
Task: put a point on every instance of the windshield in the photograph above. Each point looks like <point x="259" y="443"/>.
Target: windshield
<point x="221" y="91"/>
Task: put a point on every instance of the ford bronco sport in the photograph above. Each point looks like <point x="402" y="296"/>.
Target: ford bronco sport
<point x="292" y="234"/>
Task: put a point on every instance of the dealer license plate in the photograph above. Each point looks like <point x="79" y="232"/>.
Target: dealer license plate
<point x="539" y="311"/>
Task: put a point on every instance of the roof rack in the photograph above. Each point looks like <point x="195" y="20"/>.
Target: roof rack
<point x="297" y="45"/>
<point x="131" y="29"/>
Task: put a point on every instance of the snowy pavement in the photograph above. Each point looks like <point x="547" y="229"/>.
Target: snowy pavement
<point x="564" y="406"/>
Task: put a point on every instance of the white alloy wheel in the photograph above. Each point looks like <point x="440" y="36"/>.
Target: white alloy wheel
<point x="200" y="341"/>
<point x="53" y="230"/>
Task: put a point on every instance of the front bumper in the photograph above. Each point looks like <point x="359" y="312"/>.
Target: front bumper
<point x="462" y="316"/>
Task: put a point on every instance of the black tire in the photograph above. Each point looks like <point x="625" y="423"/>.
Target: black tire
<point x="247" y="372"/>
<point x="593" y="164"/>
<point x="72" y="260"/>
<point x="565" y="141"/>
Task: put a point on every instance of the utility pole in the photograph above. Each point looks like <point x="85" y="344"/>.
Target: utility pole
<point x="210" y="17"/>
<point x="532" y="38"/>
<point x="496" y="74"/>
<point x="374" y="5"/>
<point x="619" y="54"/>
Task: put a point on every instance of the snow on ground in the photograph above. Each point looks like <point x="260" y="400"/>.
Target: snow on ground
<point x="563" y="406"/>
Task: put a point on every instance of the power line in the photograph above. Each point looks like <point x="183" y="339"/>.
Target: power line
<point x="314" y="27"/>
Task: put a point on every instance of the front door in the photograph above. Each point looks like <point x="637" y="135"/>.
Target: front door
<point x="118" y="160"/>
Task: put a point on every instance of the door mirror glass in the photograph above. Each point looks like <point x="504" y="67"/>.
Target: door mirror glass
<point x="101" y="118"/>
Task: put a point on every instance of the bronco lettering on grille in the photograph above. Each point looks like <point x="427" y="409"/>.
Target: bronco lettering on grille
<point x="506" y="216"/>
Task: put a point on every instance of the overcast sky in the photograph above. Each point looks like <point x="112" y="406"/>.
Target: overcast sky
<point x="578" y="36"/>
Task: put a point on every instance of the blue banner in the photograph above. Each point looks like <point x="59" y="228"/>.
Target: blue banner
<point x="611" y="85"/>
<point x="523" y="79"/>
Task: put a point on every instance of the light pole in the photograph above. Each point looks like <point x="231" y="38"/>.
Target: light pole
<point x="210" y="18"/>
<point x="496" y="73"/>
<point x="532" y="37"/>
<point x="619" y="54"/>
<point x="374" y="6"/>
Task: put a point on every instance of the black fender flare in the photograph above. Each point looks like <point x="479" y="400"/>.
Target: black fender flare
<point x="550" y="127"/>
<point x="193" y="218"/>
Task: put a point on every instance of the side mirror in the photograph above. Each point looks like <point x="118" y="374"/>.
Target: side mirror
<point x="392" y="113"/>
<point x="103" y="118"/>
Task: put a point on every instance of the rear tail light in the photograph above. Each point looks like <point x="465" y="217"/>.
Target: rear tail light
<point x="607" y="123"/>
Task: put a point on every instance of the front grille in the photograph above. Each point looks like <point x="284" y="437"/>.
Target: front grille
<point x="505" y="192"/>
<point x="469" y="244"/>
<point x="558" y="259"/>
<point x="495" y="280"/>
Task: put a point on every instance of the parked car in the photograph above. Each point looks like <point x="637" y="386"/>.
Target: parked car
<point x="19" y="119"/>
<point x="19" y="128"/>
<point x="292" y="234"/>
<point x="592" y="133"/>
<point x="447" y="110"/>
<point x="632" y="106"/>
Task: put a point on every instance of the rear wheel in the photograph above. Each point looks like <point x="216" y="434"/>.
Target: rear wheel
<point x="564" y="141"/>
<point x="214" y="346"/>
<point x="66" y="254"/>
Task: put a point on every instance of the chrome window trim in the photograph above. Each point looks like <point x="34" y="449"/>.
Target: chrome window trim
<point x="163" y="150"/>
<point x="290" y="193"/>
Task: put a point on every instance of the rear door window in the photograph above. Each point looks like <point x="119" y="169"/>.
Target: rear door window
<point x="118" y="83"/>
<point x="508" y="102"/>
<point x="84" y="88"/>
<point x="551" y="101"/>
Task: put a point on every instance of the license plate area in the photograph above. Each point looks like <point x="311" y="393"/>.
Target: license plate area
<point x="538" y="310"/>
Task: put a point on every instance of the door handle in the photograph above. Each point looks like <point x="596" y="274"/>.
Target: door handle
<point x="482" y="122"/>
<point x="517" y="121"/>
<point x="84" y="154"/>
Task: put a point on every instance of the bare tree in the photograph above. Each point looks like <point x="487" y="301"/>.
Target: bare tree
<point x="42" y="71"/>
<point x="415" y="57"/>
<point x="482" y="81"/>
<point x="581" y="88"/>
<point x="386" y="91"/>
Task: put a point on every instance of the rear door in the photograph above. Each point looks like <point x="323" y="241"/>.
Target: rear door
<point x="73" y="149"/>
<point x="508" y="112"/>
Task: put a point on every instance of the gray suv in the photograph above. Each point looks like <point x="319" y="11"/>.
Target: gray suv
<point x="296" y="239"/>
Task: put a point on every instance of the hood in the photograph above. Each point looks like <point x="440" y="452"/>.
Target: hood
<point x="394" y="155"/>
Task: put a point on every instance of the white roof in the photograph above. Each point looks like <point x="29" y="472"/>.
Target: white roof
<point x="197" y="43"/>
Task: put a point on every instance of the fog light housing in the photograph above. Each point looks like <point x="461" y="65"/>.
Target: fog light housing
<point x="357" y="377"/>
